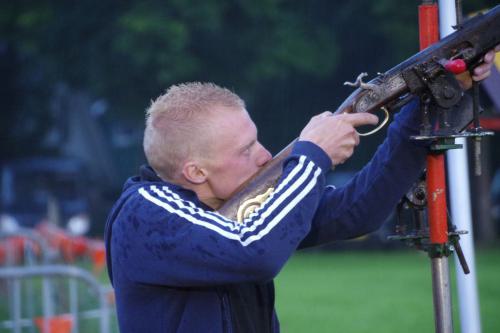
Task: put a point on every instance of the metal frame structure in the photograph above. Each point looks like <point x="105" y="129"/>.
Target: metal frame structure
<point x="22" y="281"/>
<point x="14" y="275"/>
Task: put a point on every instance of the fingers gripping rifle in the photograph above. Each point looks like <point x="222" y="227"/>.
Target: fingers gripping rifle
<point x="428" y="74"/>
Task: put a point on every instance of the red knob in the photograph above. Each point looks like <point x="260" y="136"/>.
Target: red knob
<point x="456" y="66"/>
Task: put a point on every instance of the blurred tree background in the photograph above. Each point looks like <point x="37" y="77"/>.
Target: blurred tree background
<point x="287" y="59"/>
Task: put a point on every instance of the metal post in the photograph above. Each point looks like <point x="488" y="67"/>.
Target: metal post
<point x="438" y="229"/>
<point x="16" y="305"/>
<point x="436" y="198"/>
<point x="30" y="260"/>
<point x="458" y="175"/>
<point x="104" y="322"/>
<point x="441" y="295"/>
<point x="73" y="303"/>
<point x="47" y="305"/>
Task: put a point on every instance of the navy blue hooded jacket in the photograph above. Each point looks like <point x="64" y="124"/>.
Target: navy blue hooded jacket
<point x="178" y="266"/>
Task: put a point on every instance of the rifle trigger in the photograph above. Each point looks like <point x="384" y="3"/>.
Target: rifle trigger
<point x="379" y="127"/>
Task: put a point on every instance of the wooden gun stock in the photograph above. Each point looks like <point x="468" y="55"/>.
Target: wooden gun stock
<point x="265" y="178"/>
<point x="418" y="74"/>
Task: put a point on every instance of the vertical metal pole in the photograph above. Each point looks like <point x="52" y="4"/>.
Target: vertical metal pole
<point x="47" y="306"/>
<point x="436" y="198"/>
<point x="458" y="175"/>
<point x="30" y="260"/>
<point x="104" y="322"/>
<point x="73" y="304"/>
<point x="441" y="295"/>
<point x="17" y="305"/>
<point x="438" y="229"/>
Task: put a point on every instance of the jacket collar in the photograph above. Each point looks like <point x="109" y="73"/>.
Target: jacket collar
<point x="148" y="174"/>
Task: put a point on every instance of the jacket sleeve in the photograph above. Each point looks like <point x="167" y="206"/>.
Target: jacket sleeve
<point x="160" y="238"/>
<point x="363" y="204"/>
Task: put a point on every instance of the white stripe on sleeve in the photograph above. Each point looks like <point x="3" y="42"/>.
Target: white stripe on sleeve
<point x="255" y="227"/>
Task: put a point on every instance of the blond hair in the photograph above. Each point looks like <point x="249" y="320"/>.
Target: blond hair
<point x="176" y="124"/>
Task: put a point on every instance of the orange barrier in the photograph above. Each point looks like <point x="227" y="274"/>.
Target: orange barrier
<point x="97" y="253"/>
<point x="12" y="249"/>
<point x="70" y="247"/>
<point x="56" y="324"/>
<point x="74" y="247"/>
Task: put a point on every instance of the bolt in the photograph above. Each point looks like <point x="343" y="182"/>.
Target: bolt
<point x="420" y="194"/>
<point x="448" y="93"/>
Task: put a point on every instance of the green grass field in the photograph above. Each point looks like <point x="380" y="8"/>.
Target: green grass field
<point x="358" y="292"/>
<point x="374" y="292"/>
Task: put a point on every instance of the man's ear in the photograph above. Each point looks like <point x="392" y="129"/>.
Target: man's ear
<point x="193" y="173"/>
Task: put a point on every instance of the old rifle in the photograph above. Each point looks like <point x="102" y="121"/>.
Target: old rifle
<point x="428" y="73"/>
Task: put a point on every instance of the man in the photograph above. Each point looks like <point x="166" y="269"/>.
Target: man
<point x="178" y="266"/>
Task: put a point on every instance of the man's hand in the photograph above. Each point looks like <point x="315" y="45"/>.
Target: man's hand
<point x="336" y="134"/>
<point x="479" y="73"/>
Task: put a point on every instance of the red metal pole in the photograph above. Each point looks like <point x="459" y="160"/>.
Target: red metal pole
<point x="428" y="23"/>
<point x="436" y="197"/>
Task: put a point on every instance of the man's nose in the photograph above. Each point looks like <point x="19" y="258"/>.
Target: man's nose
<point x="264" y="156"/>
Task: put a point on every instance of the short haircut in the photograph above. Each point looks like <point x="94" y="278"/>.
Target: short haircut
<point x="177" y="124"/>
